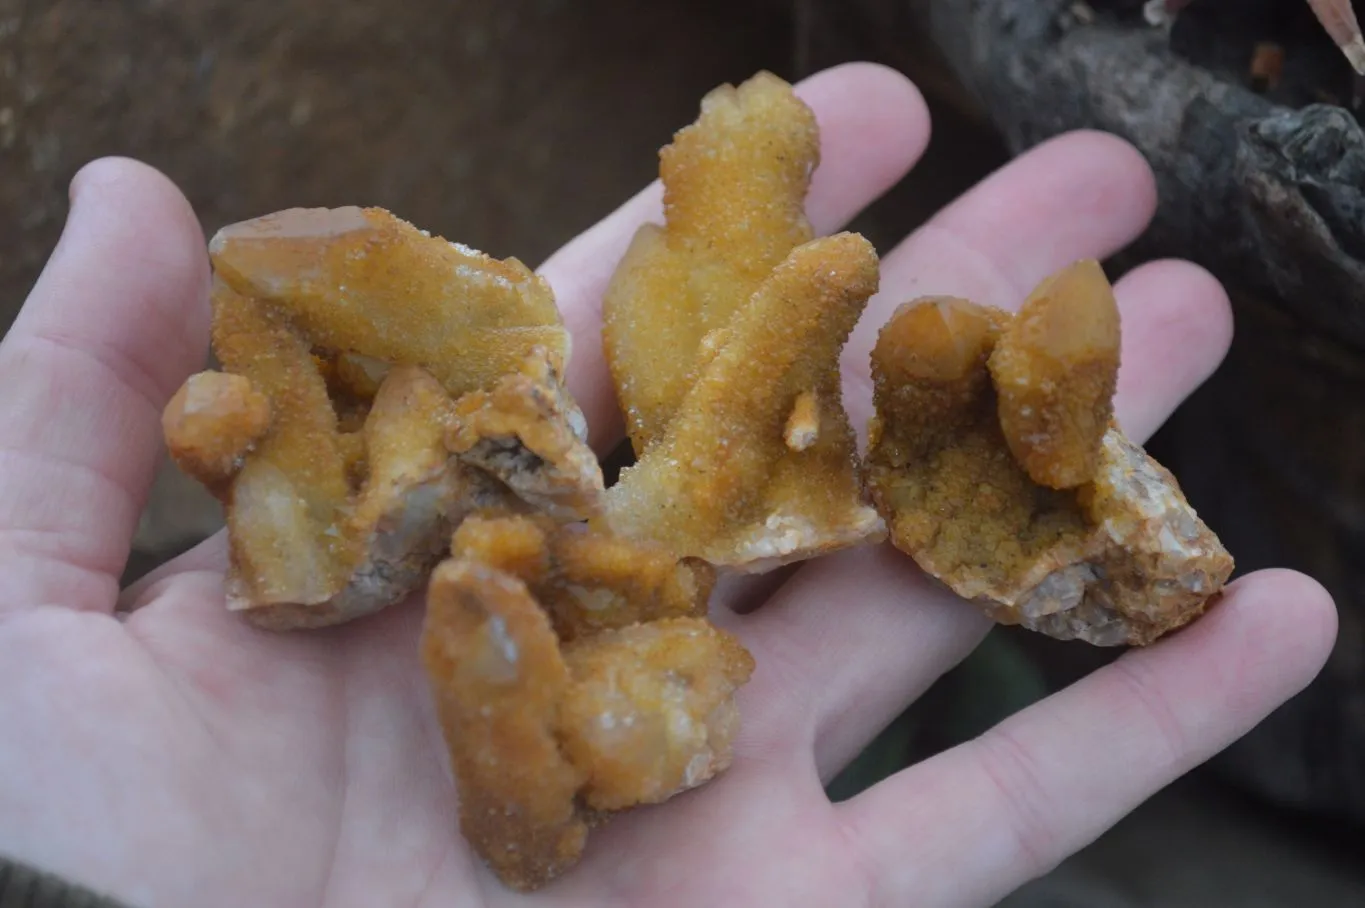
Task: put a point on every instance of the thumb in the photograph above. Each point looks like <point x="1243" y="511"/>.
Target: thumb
<point x="117" y="320"/>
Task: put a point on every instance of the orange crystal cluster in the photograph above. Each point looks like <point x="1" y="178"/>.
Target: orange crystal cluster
<point x="996" y="461"/>
<point x="575" y="674"/>
<point x="723" y="329"/>
<point x="378" y="384"/>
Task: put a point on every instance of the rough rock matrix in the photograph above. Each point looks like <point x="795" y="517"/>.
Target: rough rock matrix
<point x="995" y="460"/>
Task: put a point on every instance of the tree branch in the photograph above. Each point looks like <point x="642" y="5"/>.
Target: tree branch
<point x="1267" y="197"/>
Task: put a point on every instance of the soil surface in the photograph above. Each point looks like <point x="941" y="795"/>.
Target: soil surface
<point x="507" y="125"/>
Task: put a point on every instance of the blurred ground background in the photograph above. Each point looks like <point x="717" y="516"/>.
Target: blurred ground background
<point x="510" y="127"/>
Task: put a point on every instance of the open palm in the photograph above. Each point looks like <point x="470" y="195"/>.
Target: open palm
<point x="160" y="749"/>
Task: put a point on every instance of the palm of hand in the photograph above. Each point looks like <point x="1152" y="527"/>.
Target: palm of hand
<point x="173" y="755"/>
<point x="303" y="772"/>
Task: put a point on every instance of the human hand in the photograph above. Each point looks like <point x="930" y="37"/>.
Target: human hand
<point x="160" y="749"/>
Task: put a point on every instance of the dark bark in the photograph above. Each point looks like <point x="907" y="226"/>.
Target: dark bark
<point x="1268" y="197"/>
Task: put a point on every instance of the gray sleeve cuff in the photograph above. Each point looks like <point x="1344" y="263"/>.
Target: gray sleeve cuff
<point x="22" y="886"/>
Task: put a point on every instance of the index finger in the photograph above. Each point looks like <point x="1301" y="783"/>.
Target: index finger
<point x="989" y="815"/>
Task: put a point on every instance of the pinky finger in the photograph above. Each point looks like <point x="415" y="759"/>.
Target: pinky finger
<point x="989" y="815"/>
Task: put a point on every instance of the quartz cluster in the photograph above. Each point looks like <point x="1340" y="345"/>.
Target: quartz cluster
<point x="723" y="329"/>
<point x="995" y="457"/>
<point x="575" y="674"/>
<point x="378" y="385"/>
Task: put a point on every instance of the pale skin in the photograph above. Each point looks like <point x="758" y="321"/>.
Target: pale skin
<point x="173" y="755"/>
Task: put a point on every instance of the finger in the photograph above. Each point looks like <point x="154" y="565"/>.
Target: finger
<point x="873" y="126"/>
<point x="842" y="649"/>
<point x="207" y="561"/>
<point x="993" y="813"/>
<point x="1177" y="325"/>
<point x="115" y="323"/>
<point x="1082" y="195"/>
